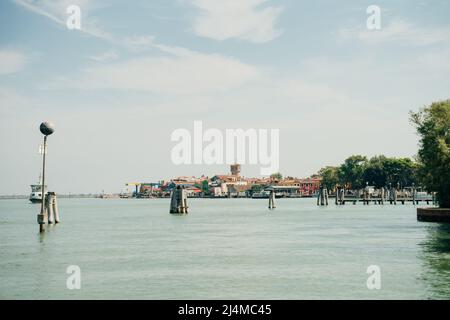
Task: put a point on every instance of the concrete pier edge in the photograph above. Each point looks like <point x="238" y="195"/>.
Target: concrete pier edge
<point x="433" y="214"/>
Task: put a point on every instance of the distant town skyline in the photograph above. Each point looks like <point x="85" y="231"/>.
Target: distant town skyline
<point x="137" y="71"/>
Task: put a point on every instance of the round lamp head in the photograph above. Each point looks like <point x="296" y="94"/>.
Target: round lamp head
<point x="47" y="128"/>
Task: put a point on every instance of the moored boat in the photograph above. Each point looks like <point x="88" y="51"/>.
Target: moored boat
<point x="36" y="192"/>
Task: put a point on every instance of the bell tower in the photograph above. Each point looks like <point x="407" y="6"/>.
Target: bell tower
<point x="235" y="169"/>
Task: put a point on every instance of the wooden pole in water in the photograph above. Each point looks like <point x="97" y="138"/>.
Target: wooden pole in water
<point x="179" y="201"/>
<point x="49" y="207"/>
<point x="55" y="208"/>
<point x="322" y="198"/>
<point x="173" y="201"/>
<point x="272" y="199"/>
<point x="387" y="194"/>
<point x="366" y="194"/>
<point x="184" y="200"/>
<point x="357" y="196"/>
<point x="42" y="217"/>
<point x="318" y="195"/>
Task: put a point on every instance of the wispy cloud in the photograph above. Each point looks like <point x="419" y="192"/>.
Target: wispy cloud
<point x="31" y="6"/>
<point x="55" y="10"/>
<point x="143" y="43"/>
<point x="400" y="31"/>
<point x="11" y="61"/>
<point x="186" y="73"/>
<point x="105" y="56"/>
<point x="249" y="20"/>
<point x="173" y="70"/>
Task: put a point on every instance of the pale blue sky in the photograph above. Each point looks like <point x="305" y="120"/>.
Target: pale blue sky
<point x="140" y="69"/>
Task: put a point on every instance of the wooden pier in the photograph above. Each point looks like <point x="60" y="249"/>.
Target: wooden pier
<point x="381" y="196"/>
<point x="379" y="200"/>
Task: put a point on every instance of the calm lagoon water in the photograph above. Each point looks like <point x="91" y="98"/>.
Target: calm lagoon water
<point x="223" y="249"/>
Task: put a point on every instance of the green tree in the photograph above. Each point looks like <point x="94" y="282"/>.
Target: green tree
<point x="330" y="176"/>
<point x="276" y="176"/>
<point x="256" y="188"/>
<point x="433" y="126"/>
<point x="374" y="171"/>
<point x="205" y="187"/>
<point x="381" y="171"/>
<point x="401" y="171"/>
<point x="352" y="170"/>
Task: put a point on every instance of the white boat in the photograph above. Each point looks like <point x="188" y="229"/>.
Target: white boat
<point x="425" y="196"/>
<point x="265" y="195"/>
<point x="261" y="195"/>
<point x="36" y="194"/>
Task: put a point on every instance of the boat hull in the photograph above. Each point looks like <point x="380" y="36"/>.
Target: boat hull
<point x="35" y="200"/>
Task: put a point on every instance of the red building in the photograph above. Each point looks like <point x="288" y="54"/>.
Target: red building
<point x="309" y="186"/>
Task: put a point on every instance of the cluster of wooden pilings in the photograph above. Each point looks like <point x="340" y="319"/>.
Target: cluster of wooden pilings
<point x="178" y="201"/>
<point x="51" y="205"/>
<point x="50" y="212"/>
<point x="322" y="196"/>
<point x="384" y="195"/>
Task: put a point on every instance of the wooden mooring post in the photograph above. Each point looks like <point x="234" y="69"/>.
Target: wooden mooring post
<point x="51" y="206"/>
<point x="366" y="197"/>
<point x="272" y="199"/>
<point x="340" y="196"/>
<point x="322" y="196"/>
<point x="393" y="196"/>
<point x="366" y="194"/>
<point x="434" y="199"/>
<point x="178" y="201"/>
<point x="50" y="212"/>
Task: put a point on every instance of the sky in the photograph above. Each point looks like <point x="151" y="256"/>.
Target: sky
<point x="138" y="70"/>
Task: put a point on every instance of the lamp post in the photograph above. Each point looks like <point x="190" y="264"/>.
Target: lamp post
<point x="46" y="129"/>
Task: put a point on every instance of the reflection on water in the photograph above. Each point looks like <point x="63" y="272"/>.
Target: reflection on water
<point x="436" y="260"/>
